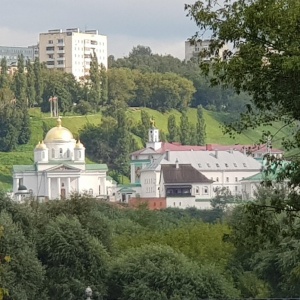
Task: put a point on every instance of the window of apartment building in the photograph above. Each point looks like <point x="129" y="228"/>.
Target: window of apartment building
<point x="50" y="55"/>
<point x="60" y="48"/>
<point x="227" y="179"/>
<point x="60" y="41"/>
<point x="50" y="63"/>
<point x="60" y="62"/>
<point x="49" y="48"/>
<point x="60" y="55"/>
<point x="50" y="42"/>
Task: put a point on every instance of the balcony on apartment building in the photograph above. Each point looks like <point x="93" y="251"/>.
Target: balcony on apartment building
<point x="50" y="49"/>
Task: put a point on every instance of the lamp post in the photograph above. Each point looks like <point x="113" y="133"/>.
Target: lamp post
<point x="88" y="293"/>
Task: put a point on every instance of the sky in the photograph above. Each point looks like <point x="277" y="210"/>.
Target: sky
<point x="160" y="24"/>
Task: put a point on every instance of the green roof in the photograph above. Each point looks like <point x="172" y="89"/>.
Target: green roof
<point x="24" y="168"/>
<point x="130" y="185"/>
<point x="95" y="167"/>
<point x="126" y="190"/>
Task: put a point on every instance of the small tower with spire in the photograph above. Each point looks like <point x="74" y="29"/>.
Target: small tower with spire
<point x="153" y="136"/>
<point x="41" y="152"/>
<point x="79" y="152"/>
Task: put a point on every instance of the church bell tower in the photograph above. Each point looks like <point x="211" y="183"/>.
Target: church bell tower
<point x="153" y="136"/>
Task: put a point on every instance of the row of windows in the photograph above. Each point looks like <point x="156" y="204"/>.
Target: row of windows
<point x="51" y="48"/>
<point x="218" y="165"/>
<point x="226" y="179"/>
<point x="59" y="55"/>
<point x="149" y="180"/>
<point x="150" y="189"/>
<point x="204" y="190"/>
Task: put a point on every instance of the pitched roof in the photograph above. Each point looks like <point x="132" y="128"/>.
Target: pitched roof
<point x="165" y="146"/>
<point x="183" y="174"/>
<point x="24" y="168"/>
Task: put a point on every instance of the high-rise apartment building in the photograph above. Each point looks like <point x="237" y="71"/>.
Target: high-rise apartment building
<point x="71" y="50"/>
<point x="192" y="50"/>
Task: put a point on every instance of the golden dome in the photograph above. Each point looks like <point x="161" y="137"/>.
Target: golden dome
<point x="38" y="145"/>
<point x="58" y="134"/>
<point x="41" y="146"/>
<point x="79" y="145"/>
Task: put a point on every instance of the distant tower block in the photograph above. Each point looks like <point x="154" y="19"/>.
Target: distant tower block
<point x="53" y="106"/>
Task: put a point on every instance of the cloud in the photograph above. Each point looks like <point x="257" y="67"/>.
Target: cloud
<point x="162" y="24"/>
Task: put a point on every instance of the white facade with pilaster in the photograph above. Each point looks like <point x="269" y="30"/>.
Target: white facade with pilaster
<point x="59" y="170"/>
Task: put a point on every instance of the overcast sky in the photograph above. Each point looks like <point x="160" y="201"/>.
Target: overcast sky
<point x="160" y="24"/>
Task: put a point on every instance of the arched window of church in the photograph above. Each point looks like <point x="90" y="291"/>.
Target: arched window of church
<point x="68" y="153"/>
<point x="60" y="152"/>
<point x="53" y="153"/>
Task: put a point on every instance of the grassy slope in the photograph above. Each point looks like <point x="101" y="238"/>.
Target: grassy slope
<point x="24" y="154"/>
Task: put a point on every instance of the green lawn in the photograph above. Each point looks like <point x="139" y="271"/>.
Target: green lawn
<point x="214" y="121"/>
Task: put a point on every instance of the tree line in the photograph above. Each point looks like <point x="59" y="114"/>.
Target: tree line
<point x="55" y="250"/>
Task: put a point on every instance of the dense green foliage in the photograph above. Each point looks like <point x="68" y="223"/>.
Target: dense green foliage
<point x="152" y="67"/>
<point x="59" y="248"/>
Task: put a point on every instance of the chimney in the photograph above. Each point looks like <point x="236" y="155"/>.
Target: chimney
<point x="167" y="155"/>
<point x="208" y="147"/>
<point x="216" y="153"/>
<point x="177" y="163"/>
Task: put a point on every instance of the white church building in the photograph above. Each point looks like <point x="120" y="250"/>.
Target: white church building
<point x="59" y="170"/>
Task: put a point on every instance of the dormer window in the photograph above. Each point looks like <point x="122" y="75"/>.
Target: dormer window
<point x="199" y="165"/>
<point x="244" y="164"/>
<point x="217" y="165"/>
<point x="226" y="165"/>
<point x="208" y="165"/>
<point x="235" y="165"/>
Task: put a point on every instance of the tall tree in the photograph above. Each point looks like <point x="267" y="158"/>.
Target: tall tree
<point x="123" y="142"/>
<point x="184" y="129"/>
<point x="10" y="121"/>
<point x="201" y="127"/>
<point x="30" y="76"/>
<point x="172" y="129"/>
<point x="25" y="130"/>
<point x="19" y="82"/>
<point x="4" y="79"/>
<point x="95" y="83"/>
<point x="38" y="76"/>
<point x="103" y="84"/>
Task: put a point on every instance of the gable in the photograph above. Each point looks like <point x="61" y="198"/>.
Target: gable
<point x="62" y="168"/>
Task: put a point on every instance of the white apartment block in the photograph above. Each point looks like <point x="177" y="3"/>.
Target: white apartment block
<point x="71" y="50"/>
<point x="192" y="50"/>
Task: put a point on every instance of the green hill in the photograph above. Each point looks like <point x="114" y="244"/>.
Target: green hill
<point x="214" y="120"/>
